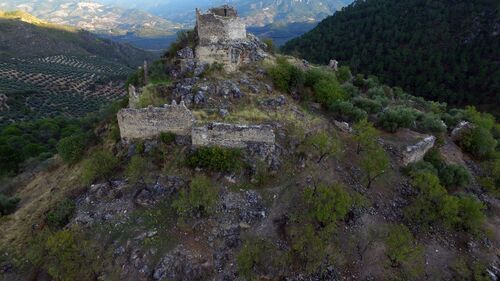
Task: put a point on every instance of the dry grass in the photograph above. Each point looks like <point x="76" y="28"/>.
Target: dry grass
<point x="37" y="196"/>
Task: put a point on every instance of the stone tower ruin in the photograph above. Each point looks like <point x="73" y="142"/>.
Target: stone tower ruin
<point x="222" y="38"/>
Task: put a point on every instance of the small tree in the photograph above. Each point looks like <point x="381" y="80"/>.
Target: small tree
<point x="403" y="252"/>
<point x="365" y="135"/>
<point x="325" y="145"/>
<point x="374" y="163"/>
<point x="71" y="148"/>
<point x="471" y="213"/>
<point x="327" y="204"/>
<point x="99" y="166"/>
<point x="61" y="214"/>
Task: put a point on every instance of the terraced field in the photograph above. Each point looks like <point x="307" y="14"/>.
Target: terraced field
<point x="58" y="85"/>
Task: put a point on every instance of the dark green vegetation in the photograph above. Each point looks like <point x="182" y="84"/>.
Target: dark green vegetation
<point x="55" y="71"/>
<point x="7" y="204"/>
<point x="216" y="159"/>
<point x="40" y="139"/>
<point x="197" y="201"/>
<point x="442" y="50"/>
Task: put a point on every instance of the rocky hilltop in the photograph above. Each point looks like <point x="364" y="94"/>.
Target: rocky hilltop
<point x="229" y="162"/>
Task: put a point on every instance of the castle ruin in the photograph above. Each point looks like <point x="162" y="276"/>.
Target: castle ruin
<point x="222" y="38"/>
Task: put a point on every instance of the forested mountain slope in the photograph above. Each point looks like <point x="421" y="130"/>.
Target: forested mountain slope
<point x="447" y="50"/>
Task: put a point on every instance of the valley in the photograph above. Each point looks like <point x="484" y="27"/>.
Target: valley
<point x="57" y="70"/>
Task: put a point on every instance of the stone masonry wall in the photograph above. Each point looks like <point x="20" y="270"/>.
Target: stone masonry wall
<point x="212" y="28"/>
<point x="148" y="123"/>
<point x="233" y="136"/>
<point x="416" y="152"/>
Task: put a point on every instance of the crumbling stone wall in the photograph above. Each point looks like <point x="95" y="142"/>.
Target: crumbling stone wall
<point x="219" y="24"/>
<point x="416" y="152"/>
<point x="133" y="97"/>
<point x="148" y="123"/>
<point x="232" y="136"/>
<point x="222" y="38"/>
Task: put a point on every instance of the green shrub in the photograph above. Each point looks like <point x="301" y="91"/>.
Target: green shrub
<point x="7" y="204"/>
<point x="136" y="168"/>
<point x="433" y="206"/>
<point x="61" y="214"/>
<point x="308" y="247"/>
<point x="260" y="257"/>
<point x="454" y="176"/>
<point x="72" y="148"/>
<point x="350" y="90"/>
<point x="419" y="167"/>
<point x="395" y="118"/>
<point x="344" y="74"/>
<point x="65" y="255"/>
<point x="314" y="75"/>
<point x="471" y="214"/>
<point x="286" y="76"/>
<point x="216" y="159"/>
<point x="328" y="93"/>
<point x="271" y="48"/>
<point x="368" y="105"/>
<point x="432" y="124"/>
<point x="327" y="204"/>
<point x="151" y="96"/>
<point x="167" y="137"/>
<point x="349" y="112"/>
<point x="198" y="200"/>
<point x="403" y="252"/>
<point x="99" y="166"/>
<point x="479" y="142"/>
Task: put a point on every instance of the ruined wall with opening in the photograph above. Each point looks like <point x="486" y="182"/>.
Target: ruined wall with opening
<point x="148" y="123"/>
<point x="233" y="136"/>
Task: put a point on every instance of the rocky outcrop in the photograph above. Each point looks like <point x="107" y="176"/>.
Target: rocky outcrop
<point x="233" y="136"/>
<point x="148" y="123"/>
<point x="181" y="264"/>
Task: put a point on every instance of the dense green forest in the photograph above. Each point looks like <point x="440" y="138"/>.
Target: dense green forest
<point x="446" y="50"/>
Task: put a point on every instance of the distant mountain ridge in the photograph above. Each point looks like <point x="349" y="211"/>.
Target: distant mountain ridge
<point x="95" y="17"/>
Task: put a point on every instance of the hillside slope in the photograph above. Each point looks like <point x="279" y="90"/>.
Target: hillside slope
<point x="295" y="184"/>
<point x="44" y="39"/>
<point x="446" y="50"/>
<point x="47" y="70"/>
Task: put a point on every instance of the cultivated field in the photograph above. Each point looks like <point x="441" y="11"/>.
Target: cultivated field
<point x="58" y="85"/>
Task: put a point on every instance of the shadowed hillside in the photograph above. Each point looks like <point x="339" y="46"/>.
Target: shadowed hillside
<point x="443" y="50"/>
